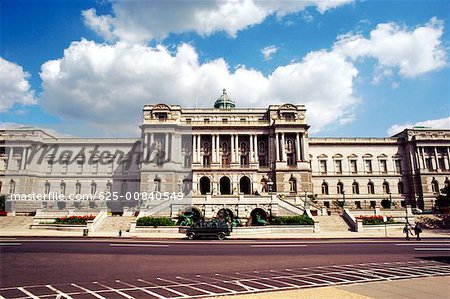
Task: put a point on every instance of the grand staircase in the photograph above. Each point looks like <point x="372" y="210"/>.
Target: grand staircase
<point x="332" y="223"/>
<point x="115" y="223"/>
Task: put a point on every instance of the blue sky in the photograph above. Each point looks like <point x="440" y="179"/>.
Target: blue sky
<point x="362" y="68"/>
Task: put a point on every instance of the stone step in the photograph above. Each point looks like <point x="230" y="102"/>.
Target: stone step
<point x="332" y="223"/>
<point x="15" y="222"/>
<point x="115" y="223"/>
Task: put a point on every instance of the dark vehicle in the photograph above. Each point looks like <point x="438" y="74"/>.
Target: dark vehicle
<point x="219" y="229"/>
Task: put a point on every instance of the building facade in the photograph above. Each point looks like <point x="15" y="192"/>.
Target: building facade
<point x="225" y="158"/>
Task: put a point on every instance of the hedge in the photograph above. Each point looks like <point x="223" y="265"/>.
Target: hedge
<point x="375" y="219"/>
<point x="292" y="220"/>
<point x="155" y="221"/>
<point x="74" y="219"/>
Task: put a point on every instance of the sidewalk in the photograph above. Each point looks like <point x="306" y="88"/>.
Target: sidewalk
<point x="429" y="287"/>
<point x="319" y="235"/>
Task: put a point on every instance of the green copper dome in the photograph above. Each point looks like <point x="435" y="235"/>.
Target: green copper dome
<point x="224" y="101"/>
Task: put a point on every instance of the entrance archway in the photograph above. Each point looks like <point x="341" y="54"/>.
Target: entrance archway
<point x="225" y="186"/>
<point x="245" y="185"/>
<point x="205" y="185"/>
<point x="259" y="217"/>
<point x="189" y="216"/>
<point x="225" y="214"/>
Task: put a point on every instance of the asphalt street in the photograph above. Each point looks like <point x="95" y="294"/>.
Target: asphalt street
<point x="30" y="261"/>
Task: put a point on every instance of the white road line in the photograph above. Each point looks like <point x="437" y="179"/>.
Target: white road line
<point x="422" y="244"/>
<point x="10" y="244"/>
<point x="27" y="293"/>
<point x="88" y="291"/>
<point x="176" y="283"/>
<point x="169" y="288"/>
<point x="150" y="283"/>
<point x="431" y="249"/>
<point x="58" y="291"/>
<point x="142" y="289"/>
<point x="278" y="245"/>
<point x="116" y="291"/>
<point x="138" y="245"/>
<point x="208" y="284"/>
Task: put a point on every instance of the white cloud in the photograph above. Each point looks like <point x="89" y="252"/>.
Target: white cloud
<point x="413" y="52"/>
<point x="101" y="83"/>
<point x="139" y="21"/>
<point x="268" y="51"/>
<point x="441" y="123"/>
<point x="14" y="86"/>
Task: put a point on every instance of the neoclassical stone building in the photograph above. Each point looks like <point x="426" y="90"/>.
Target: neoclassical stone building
<point x="240" y="159"/>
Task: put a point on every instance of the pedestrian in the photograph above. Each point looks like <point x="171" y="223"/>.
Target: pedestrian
<point x="417" y="231"/>
<point x="406" y="231"/>
<point x="120" y="233"/>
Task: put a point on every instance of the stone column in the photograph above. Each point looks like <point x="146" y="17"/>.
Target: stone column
<point x="237" y="149"/>
<point x="233" y="156"/>
<point x="283" y="149"/>
<point x="10" y="155"/>
<point x="252" y="159"/>
<point x="166" y="146"/>
<point x="305" y="147"/>
<point x="213" y="154"/>
<point x="419" y="160"/>
<point x="194" y="149"/>
<point x="22" y="159"/>
<point x="277" y="147"/>
<point x="199" y="148"/>
<point x="447" y="161"/>
<point x="297" y="148"/>
<point x="436" y="158"/>
<point x="145" y="147"/>
<point x="423" y="158"/>
<point x="255" y="145"/>
<point x="218" y="149"/>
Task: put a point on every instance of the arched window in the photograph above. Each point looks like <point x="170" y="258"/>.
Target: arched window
<point x="187" y="185"/>
<point x="324" y="188"/>
<point x="1" y="187"/>
<point x="245" y="185"/>
<point x="292" y="184"/>
<point x="78" y="188"/>
<point x="370" y="188"/>
<point x="355" y="188"/>
<point x="12" y="187"/>
<point x="108" y="187"/>
<point x="434" y="186"/>
<point x="386" y="189"/>
<point x="340" y="188"/>
<point x="400" y="188"/>
<point x="93" y="188"/>
<point x="62" y="188"/>
<point x="47" y="188"/>
<point x="205" y="185"/>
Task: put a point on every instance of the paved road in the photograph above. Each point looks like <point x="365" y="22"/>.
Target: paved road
<point x="200" y="268"/>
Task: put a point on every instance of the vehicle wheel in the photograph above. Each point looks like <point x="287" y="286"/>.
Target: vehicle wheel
<point x="221" y="236"/>
<point x="191" y="236"/>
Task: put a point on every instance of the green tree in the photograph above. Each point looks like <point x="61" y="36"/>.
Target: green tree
<point x="2" y="203"/>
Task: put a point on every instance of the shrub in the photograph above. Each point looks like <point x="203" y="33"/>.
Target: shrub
<point x="376" y="219"/>
<point x="292" y="220"/>
<point x="155" y="221"/>
<point x="74" y="219"/>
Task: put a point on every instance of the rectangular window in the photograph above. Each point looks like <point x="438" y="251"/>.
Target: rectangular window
<point x="368" y="166"/>
<point x="95" y="166"/>
<point x="80" y="166"/>
<point x="383" y="166"/>
<point x="338" y="166"/>
<point x="224" y="120"/>
<point x="353" y="166"/>
<point x="441" y="163"/>
<point x="188" y="120"/>
<point x="65" y="166"/>
<point x="398" y="166"/>
<point x="323" y="166"/>
<point x="206" y="120"/>
<point x="429" y="163"/>
<point x="49" y="166"/>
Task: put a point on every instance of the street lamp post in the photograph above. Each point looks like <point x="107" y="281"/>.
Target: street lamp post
<point x="390" y="200"/>
<point x="306" y="199"/>
<point x="270" y="185"/>
<point x="343" y="199"/>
